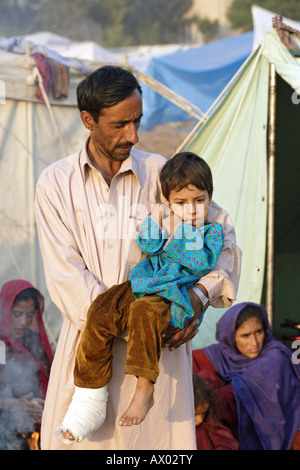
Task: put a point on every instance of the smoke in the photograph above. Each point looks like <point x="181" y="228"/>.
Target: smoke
<point x="18" y="377"/>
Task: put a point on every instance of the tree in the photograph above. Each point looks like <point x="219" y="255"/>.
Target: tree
<point x="239" y="13"/>
<point x="134" y="22"/>
<point x="208" y="28"/>
<point x="112" y="23"/>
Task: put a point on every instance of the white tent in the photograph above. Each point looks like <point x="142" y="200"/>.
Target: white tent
<point x="138" y="57"/>
<point x="32" y="136"/>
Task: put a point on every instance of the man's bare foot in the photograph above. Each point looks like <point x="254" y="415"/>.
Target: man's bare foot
<point x="140" y="404"/>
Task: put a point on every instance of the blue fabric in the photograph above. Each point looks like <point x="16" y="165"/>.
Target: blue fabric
<point x="198" y="75"/>
<point x="266" y="389"/>
<point x="175" y="263"/>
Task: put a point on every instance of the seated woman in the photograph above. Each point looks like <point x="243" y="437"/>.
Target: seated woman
<point x="261" y="374"/>
<point x="25" y="369"/>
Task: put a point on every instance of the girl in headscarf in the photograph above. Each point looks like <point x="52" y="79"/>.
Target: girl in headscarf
<point x="24" y="372"/>
<point x="262" y="374"/>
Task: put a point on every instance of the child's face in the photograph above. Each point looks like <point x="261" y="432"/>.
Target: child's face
<point x="200" y="413"/>
<point x="191" y="204"/>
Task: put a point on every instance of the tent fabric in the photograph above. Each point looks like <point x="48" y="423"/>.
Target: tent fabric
<point x="198" y="75"/>
<point x="17" y="74"/>
<point x="19" y="44"/>
<point x="137" y="57"/>
<point x="234" y="142"/>
<point x="29" y="143"/>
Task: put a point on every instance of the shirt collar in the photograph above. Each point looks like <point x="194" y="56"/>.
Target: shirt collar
<point x="129" y="165"/>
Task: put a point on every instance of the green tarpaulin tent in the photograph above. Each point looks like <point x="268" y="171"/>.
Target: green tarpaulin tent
<point x="251" y="142"/>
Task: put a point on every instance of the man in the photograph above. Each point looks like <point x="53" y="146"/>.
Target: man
<point x="87" y="207"/>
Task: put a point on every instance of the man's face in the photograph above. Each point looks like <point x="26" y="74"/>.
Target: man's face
<point x="116" y="131"/>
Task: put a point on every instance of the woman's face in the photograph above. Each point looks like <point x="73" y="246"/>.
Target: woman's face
<point x="21" y="316"/>
<point x="249" y="338"/>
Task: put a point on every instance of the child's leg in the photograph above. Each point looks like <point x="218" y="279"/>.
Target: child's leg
<point x="106" y="319"/>
<point x="148" y="318"/>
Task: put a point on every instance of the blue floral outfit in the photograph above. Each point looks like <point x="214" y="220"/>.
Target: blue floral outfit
<point x="175" y="263"/>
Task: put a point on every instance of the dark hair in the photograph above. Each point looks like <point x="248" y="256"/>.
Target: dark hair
<point x="104" y="88"/>
<point x="28" y="294"/>
<point x="204" y="393"/>
<point x="183" y="169"/>
<point x="250" y="311"/>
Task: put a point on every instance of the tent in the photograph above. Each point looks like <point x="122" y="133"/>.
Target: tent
<point x="198" y="74"/>
<point x="33" y="134"/>
<point x="138" y="57"/>
<point x="251" y="144"/>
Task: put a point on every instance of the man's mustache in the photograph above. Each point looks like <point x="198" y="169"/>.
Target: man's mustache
<point x="125" y="145"/>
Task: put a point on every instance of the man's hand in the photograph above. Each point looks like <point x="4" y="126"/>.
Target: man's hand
<point x="173" y="337"/>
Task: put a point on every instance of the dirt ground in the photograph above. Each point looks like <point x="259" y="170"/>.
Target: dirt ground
<point x="164" y="139"/>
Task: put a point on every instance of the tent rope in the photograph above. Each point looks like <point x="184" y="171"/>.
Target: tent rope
<point x="167" y="93"/>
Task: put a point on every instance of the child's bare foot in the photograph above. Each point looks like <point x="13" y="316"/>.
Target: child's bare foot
<point x="68" y="435"/>
<point x="140" y="403"/>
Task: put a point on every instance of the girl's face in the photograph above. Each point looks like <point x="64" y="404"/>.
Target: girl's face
<point x="190" y="204"/>
<point x="200" y="413"/>
<point x="21" y="316"/>
<point x="249" y="338"/>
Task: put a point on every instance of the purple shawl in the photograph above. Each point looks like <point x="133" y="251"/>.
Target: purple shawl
<point x="266" y="389"/>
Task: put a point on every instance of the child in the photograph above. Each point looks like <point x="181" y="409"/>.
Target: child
<point x="181" y="249"/>
<point x="211" y="434"/>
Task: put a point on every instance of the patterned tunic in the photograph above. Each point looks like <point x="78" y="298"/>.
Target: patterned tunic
<point x="175" y="263"/>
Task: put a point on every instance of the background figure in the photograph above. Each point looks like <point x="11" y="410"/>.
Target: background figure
<point x="260" y="372"/>
<point x="211" y="434"/>
<point x="28" y="356"/>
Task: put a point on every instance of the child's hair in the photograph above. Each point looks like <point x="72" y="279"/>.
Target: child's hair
<point x="183" y="169"/>
<point x="203" y="393"/>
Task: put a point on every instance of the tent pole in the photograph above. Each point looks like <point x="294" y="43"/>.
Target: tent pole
<point x="271" y="194"/>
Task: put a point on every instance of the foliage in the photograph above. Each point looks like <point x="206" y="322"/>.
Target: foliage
<point x="239" y="13"/>
<point x="110" y="22"/>
<point x="133" y="22"/>
<point x="208" y="28"/>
